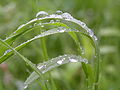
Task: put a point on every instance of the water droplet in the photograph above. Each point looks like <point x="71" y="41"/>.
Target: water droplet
<point x="63" y="59"/>
<point x="67" y="16"/>
<point x="61" y="29"/>
<point x="65" y="55"/>
<point x="95" y="38"/>
<point x="40" y="67"/>
<point x="90" y="32"/>
<point x="7" y="51"/>
<point x="41" y="14"/>
<point x="25" y="86"/>
<point x="59" y="62"/>
<point x="57" y="20"/>
<point x="59" y="12"/>
<point x="83" y="24"/>
<point x="73" y="60"/>
<point x="85" y="61"/>
<point x="20" y="26"/>
<point x="14" y="32"/>
<point x="51" y="21"/>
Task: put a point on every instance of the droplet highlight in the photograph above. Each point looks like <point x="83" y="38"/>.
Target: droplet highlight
<point x="59" y="12"/>
<point x="41" y="14"/>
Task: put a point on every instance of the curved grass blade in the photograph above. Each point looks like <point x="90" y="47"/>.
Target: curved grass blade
<point x="46" y="33"/>
<point x="63" y="18"/>
<point x="33" y="66"/>
<point x="53" y="63"/>
<point x="68" y="20"/>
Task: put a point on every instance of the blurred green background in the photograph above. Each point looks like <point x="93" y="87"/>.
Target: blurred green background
<point x="103" y="16"/>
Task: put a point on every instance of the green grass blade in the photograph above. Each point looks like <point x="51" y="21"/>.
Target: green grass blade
<point x="33" y="66"/>
<point x="53" y="63"/>
<point x="49" y="32"/>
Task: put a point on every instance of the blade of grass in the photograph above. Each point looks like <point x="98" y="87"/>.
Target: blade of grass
<point x="33" y="66"/>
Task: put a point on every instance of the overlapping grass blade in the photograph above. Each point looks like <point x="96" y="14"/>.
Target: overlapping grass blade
<point x="70" y="25"/>
<point x="53" y="63"/>
<point x="33" y="66"/>
<point x="46" y="33"/>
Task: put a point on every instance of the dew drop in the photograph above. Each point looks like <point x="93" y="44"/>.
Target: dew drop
<point x="41" y="14"/>
<point x="95" y="38"/>
<point x="90" y="32"/>
<point x="83" y="24"/>
<point x="40" y="67"/>
<point x="59" y="12"/>
<point x="63" y="59"/>
<point x="57" y="20"/>
<point x="67" y="16"/>
<point x="73" y="60"/>
<point x="25" y="86"/>
<point x="51" y="21"/>
<point x="7" y="51"/>
<point x="61" y="29"/>
<point x="59" y="62"/>
<point x="85" y="61"/>
<point x="20" y="26"/>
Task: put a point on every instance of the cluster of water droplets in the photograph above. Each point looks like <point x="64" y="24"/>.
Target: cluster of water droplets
<point x="7" y="51"/>
<point x="53" y="63"/>
<point x="58" y="15"/>
<point x="66" y="16"/>
<point x="48" y="65"/>
<point x="41" y="14"/>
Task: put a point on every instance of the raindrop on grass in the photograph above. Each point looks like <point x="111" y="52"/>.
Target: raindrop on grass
<point x="20" y="26"/>
<point x="7" y="51"/>
<point x="57" y="20"/>
<point x="25" y="86"/>
<point x="41" y="14"/>
<point x="59" y="12"/>
<point x="51" y="21"/>
<point x="53" y="63"/>
<point x="61" y="29"/>
<point x="73" y="60"/>
<point x="95" y="38"/>
<point x="90" y="32"/>
<point x="83" y="24"/>
<point x="40" y="67"/>
<point x="67" y="16"/>
<point x="59" y="62"/>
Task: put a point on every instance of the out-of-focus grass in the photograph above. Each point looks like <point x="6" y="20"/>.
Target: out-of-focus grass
<point x="102" y="16"/>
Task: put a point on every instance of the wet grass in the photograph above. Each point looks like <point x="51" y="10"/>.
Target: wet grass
<point x="47" y="45"/>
